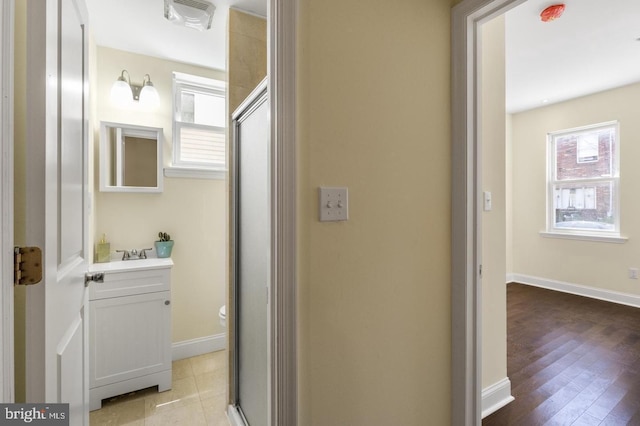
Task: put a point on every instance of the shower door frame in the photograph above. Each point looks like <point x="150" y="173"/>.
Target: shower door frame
<point x="255" y="100"/>
<point x="282" y="23"/>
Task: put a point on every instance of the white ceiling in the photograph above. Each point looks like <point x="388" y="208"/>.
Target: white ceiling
<point x="593" y="47"/>
<point x="139" y="26"/>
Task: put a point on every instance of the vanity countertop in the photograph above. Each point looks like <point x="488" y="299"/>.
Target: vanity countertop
<point x="132" y="265"/>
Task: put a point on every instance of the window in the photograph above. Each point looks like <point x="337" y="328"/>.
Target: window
<point x="588" y="148"/>
<point x="199" y="124"/>
<point x="583" y="181"/>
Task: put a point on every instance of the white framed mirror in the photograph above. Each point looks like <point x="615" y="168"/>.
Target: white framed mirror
<point x="130" y="158"/>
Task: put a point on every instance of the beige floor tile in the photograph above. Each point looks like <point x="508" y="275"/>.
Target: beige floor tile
<point x="190" y="414"/>
<point x="183" y="392"/>
<point x="197" y="397"/>
<point x="208" y="362"/>
<point x="181" y="369"/>
<point x="215" y="410"/>
<point x="130" y="413"/>
<point x="212" y="384"/>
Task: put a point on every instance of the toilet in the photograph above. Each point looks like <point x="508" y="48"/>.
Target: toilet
<point x="222" y="313"/>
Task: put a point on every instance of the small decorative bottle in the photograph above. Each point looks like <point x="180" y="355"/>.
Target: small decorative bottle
<point x="103" y="250"/>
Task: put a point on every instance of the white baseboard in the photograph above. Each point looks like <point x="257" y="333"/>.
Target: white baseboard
<point x="580" y="290"/>
<point x="199" y="346"/>
<point x="510" y="278"/>
<point x="496" y="396"/>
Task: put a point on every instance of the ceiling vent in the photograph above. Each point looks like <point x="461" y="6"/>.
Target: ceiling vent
<point x="196" y="14"/>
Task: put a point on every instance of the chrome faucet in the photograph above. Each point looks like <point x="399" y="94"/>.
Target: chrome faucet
<point x="125" y="254"/>
<point x="134" y="254"/>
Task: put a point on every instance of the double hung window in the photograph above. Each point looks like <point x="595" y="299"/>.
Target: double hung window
<point x="199" y="123"/>
<point x="583" y="181"/>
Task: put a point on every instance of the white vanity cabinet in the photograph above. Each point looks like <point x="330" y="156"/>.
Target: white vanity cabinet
<point x="130" y="328"/>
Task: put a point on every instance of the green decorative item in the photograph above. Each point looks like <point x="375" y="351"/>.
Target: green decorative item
<point x="164" y="245"/>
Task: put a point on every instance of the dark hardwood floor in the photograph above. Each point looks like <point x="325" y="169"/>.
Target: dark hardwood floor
<point x="571" y="360"/>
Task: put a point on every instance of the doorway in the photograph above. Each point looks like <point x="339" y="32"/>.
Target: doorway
<point x="282" y="86"/>
<point x="468" y="17"/>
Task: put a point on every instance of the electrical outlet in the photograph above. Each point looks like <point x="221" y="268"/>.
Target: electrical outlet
<point x="633" y="273"/>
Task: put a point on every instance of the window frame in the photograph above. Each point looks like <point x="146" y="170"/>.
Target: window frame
<point x="204" y="85"/>
<point x="612" y="235"/>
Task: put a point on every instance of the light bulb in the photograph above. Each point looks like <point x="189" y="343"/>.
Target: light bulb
<point x="149" y="97"/>
<point x="121" y="93"/>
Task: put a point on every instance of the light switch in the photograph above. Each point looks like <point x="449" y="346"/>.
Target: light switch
<point x="487" y="201"/>
<point x="334" y="204"/>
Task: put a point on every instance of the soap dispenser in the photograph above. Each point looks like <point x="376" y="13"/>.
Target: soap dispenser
<point x="103" y="250"/>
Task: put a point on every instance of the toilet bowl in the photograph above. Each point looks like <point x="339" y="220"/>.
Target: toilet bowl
<point x="222" y="313"/>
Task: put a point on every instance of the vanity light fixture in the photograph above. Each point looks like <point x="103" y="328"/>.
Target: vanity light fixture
<point x="123" y="93"/>
<point x="196" y="14"/>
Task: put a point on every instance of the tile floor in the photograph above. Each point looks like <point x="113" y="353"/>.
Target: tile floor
<point x="197" y="397"/>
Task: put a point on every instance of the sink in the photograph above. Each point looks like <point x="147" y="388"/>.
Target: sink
<point x="132" y="265"/>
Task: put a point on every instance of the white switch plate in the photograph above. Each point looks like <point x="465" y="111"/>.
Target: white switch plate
<point x="334" y="204"/>
<point x="487" y="201"/>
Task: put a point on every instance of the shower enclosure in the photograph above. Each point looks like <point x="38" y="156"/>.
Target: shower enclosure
<point x="251" y="246"/>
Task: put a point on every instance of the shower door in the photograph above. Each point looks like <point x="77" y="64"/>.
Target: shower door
<point x="252" y="256"/>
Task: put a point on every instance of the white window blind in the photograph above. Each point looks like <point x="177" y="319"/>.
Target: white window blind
<point x="201" y="145"/>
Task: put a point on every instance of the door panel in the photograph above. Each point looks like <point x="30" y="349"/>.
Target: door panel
<point x="69" y="357"/>
<point x="56" y="103"/>
<point x="66" y="294"/>
<point x="254" y="243"/>
<point x="71" y="134"/>
<point x="138" y="350"/>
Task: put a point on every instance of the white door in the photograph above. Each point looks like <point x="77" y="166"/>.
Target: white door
<point x="57" y="323"/>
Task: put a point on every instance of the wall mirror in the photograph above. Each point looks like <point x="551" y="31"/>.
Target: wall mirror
<point x="130" y="158"/>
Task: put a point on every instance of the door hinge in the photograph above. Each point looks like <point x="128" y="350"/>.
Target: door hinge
<point x="27" y="265"/>
<point x="480" y="271"/>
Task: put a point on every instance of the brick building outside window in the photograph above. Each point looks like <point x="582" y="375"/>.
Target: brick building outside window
<point x="583" y="180"/>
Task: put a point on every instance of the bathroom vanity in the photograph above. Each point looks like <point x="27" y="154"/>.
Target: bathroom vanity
<point x="130" y="328"/>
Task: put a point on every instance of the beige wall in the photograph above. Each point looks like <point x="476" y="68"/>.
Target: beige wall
<point x="593" y="264"/>
<point x="191" y="210"/>
<point x="374" y="291"/>
<point x="494" y="307"/>
<point x="246" y="55"/>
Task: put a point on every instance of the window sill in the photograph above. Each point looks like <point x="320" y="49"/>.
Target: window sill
<point x="585" y="237"/>
<point x="194" y="173"/>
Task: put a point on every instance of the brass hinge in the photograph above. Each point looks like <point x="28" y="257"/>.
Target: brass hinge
<point x="27" y="265"/>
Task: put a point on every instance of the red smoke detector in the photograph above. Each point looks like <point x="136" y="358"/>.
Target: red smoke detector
<point x="552" y="12"/>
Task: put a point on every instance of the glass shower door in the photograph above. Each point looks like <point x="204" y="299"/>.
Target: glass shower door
<point x="253" y="238"/>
